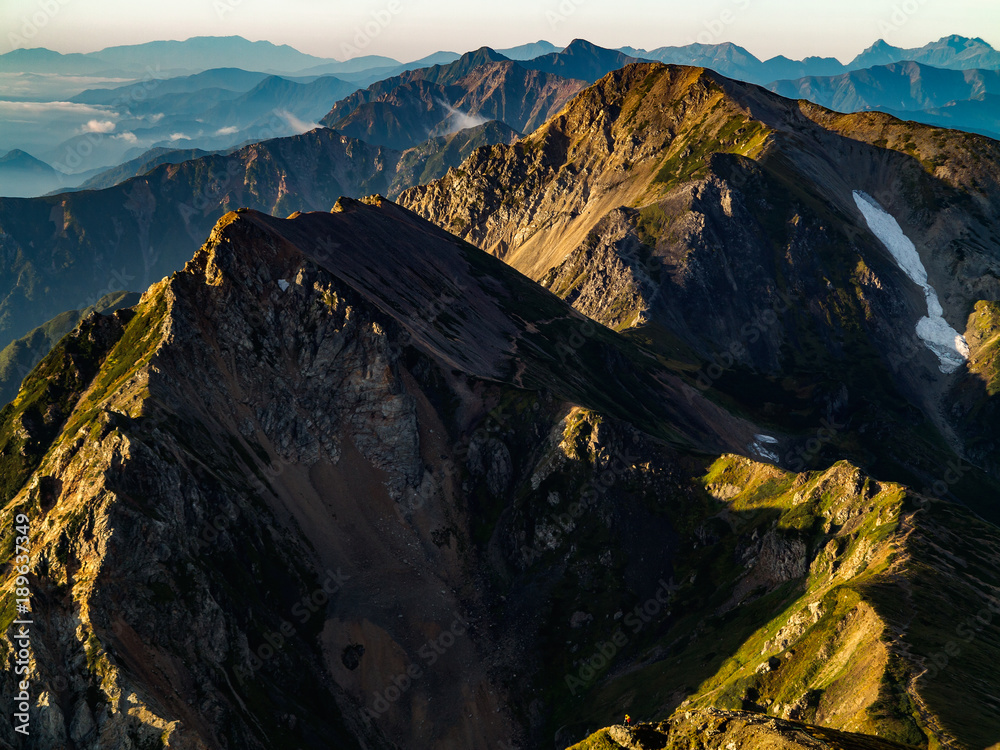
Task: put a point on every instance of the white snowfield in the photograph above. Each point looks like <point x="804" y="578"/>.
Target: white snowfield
<point x="947" y="344"/>
<point x="757" y="446"/>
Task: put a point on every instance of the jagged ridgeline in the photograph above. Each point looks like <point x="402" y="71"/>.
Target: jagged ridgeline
<point x="719" y="225"/>
<point x="68" y="250"/>
<point x="347" y="480"/>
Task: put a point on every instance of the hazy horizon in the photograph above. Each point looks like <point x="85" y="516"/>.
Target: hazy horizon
<point x="411" y="29"/>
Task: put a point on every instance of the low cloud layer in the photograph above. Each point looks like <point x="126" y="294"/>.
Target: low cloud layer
<point x="299" y="126"/>
<point x="459" y="120"/>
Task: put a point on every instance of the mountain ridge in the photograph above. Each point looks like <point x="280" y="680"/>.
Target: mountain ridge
<point x="144" y="437"/>
<point x="898" y="88"/>
<point x="400" y="112"/>
<point x="682" y="406"/>
<point x="627" y="202"/>
<point x="131" y="227"/>
<point x="736" y="62"/>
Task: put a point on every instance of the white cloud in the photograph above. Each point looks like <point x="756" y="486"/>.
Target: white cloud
<point x="299" y="126"/>
<point x="128" y="136"/>
<point x="227" y="130"/>
<point x="99" y="126"/>
<point x="43" y="108"/>
<point x="459" y="120"/>
<point x="178" y="136"/>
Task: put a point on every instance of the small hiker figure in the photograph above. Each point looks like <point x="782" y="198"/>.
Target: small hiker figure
<point x="628" y="720"/>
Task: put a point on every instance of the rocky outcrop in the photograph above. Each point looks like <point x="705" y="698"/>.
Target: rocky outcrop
<point x="713" y="729"/>
<point x="610" y="277"/>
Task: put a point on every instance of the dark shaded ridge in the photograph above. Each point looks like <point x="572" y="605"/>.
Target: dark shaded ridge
<point x="482" y="317"/>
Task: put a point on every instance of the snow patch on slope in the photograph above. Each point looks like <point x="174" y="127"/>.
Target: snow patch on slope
<point x="757" y="447"/>
<point x="944" y="341"/>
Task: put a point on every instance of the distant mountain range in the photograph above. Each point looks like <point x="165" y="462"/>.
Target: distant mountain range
<point x="581" y="60"/>
<point x="140" y="165"/>
<point x="956" y="52"/>
<point x="229" y="79"/>
<point x="24" y="162"/>
<point x="197" y="54"/>
<point x="963" y="99"/>
<point x="904" y="86"/>
<point x="40" y="60"/>
<point x="979" y="115"/>
<point x="185" y="115"/>
<point x="204" y="53"/>
<point x="530" y="51"/>
<point x="401" y="105"/>
<point x="194" y="54"/>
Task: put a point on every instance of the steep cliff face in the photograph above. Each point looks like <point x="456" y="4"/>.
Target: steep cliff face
<point x="721" y="224"/>
<point x="346" y="480"/>
<point x="433" y="158"/>
<point x="246" y="457"/>
<point x="714" y="166"/>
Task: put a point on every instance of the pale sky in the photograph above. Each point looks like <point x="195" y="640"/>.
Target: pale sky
<point x="409" y="29"/>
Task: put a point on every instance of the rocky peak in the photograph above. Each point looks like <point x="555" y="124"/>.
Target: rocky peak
<point x="727" y="192"/>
